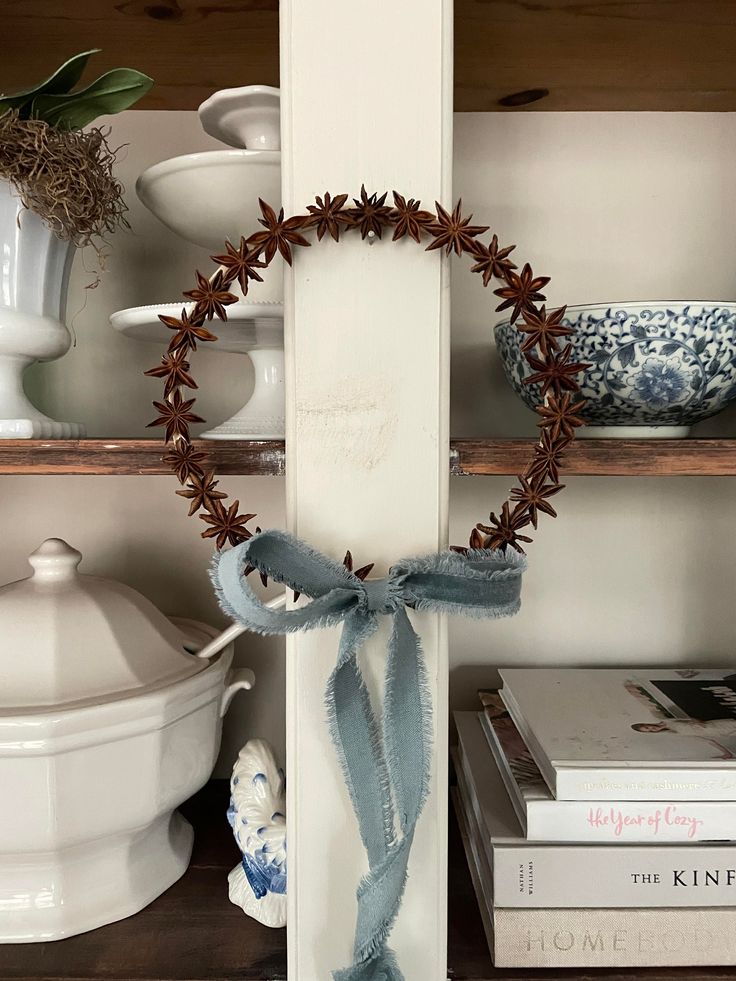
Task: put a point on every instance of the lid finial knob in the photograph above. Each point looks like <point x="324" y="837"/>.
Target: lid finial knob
<point x="54" y="560"/>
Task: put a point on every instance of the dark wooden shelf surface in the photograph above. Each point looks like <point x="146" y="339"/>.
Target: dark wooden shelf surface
<point x="602" y="54"/>
<point x="142" y="457"/>
<point x="468" y="457"/>
<point x="194" y="933"/>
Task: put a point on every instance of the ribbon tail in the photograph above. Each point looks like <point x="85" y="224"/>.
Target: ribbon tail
<point x="357" y="739"/>
<point x="407" y="722"/>
<point x="382" y="968"/>
<point x="408" y="740"/>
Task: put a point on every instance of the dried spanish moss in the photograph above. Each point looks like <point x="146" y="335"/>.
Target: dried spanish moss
<point x="65" y="177"/>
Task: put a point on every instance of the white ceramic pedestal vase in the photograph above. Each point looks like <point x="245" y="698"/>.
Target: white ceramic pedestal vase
<point x="34" y="276"/>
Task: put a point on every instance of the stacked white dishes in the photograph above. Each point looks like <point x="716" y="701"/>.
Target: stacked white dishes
<point x="210" y="198"/>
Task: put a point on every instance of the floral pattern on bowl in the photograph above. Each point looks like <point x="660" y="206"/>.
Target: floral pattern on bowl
<point x="665" y="365"/>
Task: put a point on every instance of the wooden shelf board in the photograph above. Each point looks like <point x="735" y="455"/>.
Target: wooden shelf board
<point x="602" y="457"/>
<point x="194" y="933"/>
<point x="124" y="457"/>
<point x="468" y="457"/>
<point x="604" y="54"/>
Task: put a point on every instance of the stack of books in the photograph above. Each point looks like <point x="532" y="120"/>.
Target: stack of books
<point x="598" y="812"/>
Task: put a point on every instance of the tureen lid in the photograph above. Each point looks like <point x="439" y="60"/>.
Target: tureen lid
<point x="68" y="637"/>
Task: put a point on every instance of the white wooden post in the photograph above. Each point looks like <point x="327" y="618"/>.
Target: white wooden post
<point x="366" y="96"/>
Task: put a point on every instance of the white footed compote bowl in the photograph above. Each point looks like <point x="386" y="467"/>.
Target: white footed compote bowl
<point x="255" y="329"/>
<point x="248" y="116"/>
<point x="34" y="277"/>
<point x="211" y="197"/>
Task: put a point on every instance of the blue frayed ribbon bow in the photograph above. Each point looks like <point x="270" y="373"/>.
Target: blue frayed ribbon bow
<point x="386" y="767"/>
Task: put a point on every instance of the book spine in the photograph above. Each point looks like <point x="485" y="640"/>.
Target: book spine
<point x="618" y="783"/>
<point x="631" y="821"/>
<point x="564" y="876"/>
<point x="546" y="819"/>
<point x="613" y="938"/>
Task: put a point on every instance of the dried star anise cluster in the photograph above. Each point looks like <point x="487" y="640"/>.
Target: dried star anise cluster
<point x="554" y="369"/>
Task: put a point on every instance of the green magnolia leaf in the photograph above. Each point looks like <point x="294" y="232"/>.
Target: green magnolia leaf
<point x="63" y="79"/>
<point x="110" y="93"/>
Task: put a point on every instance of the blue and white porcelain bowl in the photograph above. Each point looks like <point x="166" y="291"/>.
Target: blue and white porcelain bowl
<point x="656" y="368"/>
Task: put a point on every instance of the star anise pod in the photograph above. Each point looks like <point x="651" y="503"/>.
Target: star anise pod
<point x="504" y="531"/>
<point x="370" y="214"/>
<point x="226" y="524"/>
<point x="279" y="235"/>
<point x="452" y="232"/>
<point x="532" y="494"/>
<point x="543" y="329"/>
<point x="327" y="216"/>
<point x="175" y="369"/>
<point x="558" y="372"/>
<point x="492" y="261"/>
<point x="200" y="490"/>
<point x="176" y="415"/>
<point x="409" y="219"/>
<point x="189" y="329"/>
<point x="560" y="416"/>
<point x="547" y="457"/>
<point x="361" y="573"/>
<point x="240" y="264"/>
<point x="211" y="297"/>
<point x="521" y="291"/>
<point x="475" y="542"/>
<point x="185" y="461"/>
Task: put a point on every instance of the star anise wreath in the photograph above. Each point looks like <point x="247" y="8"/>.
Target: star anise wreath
<point x="189" y="329"/>
<point x="542" y="329"/>
<point x="241" y="264"/>
<point x="521" y="291"/>
<point x="211" y="296"/>
<point x="533" y="493"/>
<point x="327" y="215"/>
<point x="505" y="530"/>
<point x="175" y="369"/>
<point x="370" y="213"/>
<point x="547" y="457"/>
<point x="201" y="493"/>
<point x="226" y="525"/>
<point x="555" y="370"/>
<point x="452" y="232"/>
<point x="493" y="262"/>
<point x="409" y="219"/>
<point x="175" y="415"/>
<point x="561" y="416"/>
<point x="279" y="235"/>
<point x="185" y="461"/>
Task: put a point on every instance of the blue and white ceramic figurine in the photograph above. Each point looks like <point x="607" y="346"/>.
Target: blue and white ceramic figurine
<point x="656" y="368"/>
<point x="257" y="815"/>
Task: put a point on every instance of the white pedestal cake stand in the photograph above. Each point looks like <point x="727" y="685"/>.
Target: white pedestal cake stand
<point x="255" y="329"/>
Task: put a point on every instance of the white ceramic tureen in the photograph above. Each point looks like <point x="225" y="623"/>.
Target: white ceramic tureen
<point x="108" y="721"/>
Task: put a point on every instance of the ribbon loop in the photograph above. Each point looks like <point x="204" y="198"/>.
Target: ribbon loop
<point x="386" y="768"/>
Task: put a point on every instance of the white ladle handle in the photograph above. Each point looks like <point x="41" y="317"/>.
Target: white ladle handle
<point x="235" y="630"/>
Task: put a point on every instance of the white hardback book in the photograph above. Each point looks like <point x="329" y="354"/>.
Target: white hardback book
<point x="593" y="937"/>
<point x="531" y="874"/>
<point x="543" y="818"/>
<point x="628" y="734"/>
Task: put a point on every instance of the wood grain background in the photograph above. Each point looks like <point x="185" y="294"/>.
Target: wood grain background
<point x="609" y="54"/>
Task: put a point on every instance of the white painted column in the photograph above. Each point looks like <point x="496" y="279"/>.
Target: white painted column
<point x="366" y="96"/>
